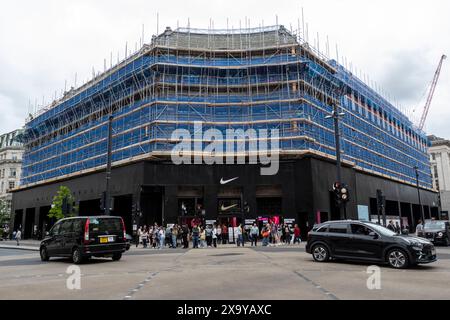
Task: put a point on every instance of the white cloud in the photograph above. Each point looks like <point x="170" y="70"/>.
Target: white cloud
<point x="44" y="43"/>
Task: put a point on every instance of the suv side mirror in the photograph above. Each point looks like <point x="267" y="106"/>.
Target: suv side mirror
<point x="373" y="235"/>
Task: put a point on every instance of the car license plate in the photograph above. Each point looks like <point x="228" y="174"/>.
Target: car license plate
<point x="104" y="240"/>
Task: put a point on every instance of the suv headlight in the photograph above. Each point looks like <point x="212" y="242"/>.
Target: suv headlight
<point x="417" y="245"/>
<point x="440" y="234"/>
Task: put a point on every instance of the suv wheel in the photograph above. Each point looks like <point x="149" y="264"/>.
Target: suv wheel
<point x="397" y="259"/>
<point x="116" y="256"/>
<point x="44" y="254"/>
<point x="320" y="253"/>
<point x="77" y="258"/>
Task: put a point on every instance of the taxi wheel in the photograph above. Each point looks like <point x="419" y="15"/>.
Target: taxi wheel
<point x="44" y="254"/>
<point x="116" y="256"/>
<point x="77" y="257"/>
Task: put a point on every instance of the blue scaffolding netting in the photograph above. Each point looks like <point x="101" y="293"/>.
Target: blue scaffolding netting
<point x="255" y="79"/>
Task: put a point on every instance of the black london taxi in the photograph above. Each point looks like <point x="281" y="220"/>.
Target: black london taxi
<point x="81" y="238"/>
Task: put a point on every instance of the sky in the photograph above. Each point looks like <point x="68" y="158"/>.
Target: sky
<point x="47" y="45"/>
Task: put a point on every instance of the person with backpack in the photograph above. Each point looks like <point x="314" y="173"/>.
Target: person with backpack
<point x="254" y="233"/>
<point x="265" y="233"/>
<point x="195" y="236"/>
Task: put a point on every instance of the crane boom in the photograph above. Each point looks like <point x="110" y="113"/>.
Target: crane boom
<point x="431" y="94"/>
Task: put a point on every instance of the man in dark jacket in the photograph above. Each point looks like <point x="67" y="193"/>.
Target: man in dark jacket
<point x="391" y="226"/>
<point x="185" y="235"/>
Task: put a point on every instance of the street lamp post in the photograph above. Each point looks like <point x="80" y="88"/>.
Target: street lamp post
<point x="108" y="169"/>
<point x="416" y="168"/>
<point x="336" y="115"/>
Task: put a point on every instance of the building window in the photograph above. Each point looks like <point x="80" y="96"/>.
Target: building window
<point x="12" y="172"/>
<point x="12" y="185"/>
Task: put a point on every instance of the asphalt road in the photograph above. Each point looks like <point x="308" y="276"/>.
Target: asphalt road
<point x="223" y="273"/>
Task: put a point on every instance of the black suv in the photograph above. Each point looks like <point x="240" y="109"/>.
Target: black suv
<point x="437" y="232"/>
<point x="84" y="237"/>
<point x="366" y="241"/>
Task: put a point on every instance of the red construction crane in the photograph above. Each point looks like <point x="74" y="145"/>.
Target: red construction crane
<point x="430" y="95"/>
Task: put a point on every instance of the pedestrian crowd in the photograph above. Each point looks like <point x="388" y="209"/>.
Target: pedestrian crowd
<point x="180" y="236"/>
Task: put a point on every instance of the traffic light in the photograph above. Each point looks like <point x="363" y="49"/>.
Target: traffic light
<point x="341" y="192"/>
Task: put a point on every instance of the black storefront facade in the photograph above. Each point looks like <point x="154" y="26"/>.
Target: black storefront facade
<point x="146" y="192"/>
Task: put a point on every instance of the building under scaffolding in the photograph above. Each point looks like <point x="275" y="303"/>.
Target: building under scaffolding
<point x="262" y="78"/>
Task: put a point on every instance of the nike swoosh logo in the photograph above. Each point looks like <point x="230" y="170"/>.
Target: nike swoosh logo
<point x="227" y="208"/>
<point x="227" y="181"/>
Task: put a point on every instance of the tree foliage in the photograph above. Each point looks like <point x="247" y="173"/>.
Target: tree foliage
<point x="57" y="209"/>
<point x="4" y="213"/>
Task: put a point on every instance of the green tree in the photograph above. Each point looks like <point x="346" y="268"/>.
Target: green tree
<point x="4" y="215"/>
<point x="63" y="198"/>
<point x="4" y="212"/>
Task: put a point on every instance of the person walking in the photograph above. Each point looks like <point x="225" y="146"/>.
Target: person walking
<point x="202" y="238"/>
<point x="168" y="236"/>
<point x="419" y="229"/>
<point x="185" y="236"/>
<point x="297" y="234"/>
<point x="224" y="234"/>
<point x="274" y="233"/>
<point x="18" y="236"/>
<point x="150" y="237"/>
<point x="214" y="236"/>
<point x="391" y="226"/>
<point x="144" y="237"/>
<point x="155" y="237"/>
<point x="398" y="229"/>
<point x="239" y="234"/>
<point x="219" y="233"/>
<point x="174" y="236"/>
<point x="287" y="234"/>
<point x="209" y="235"/>
<point x="265" y="233"/>
<point x="162" y="238"/>
<point x="139" y="236"/>
<point x="254" y="233"/>
<point x="195" y="236"/>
